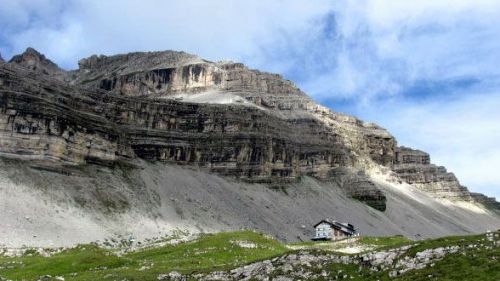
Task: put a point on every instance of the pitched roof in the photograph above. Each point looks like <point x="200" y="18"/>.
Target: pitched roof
<point x="346" y="227"/>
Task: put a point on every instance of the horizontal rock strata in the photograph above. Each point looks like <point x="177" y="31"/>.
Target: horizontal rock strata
<point x="147" y="105"/>
<point x="414" y="167"/>
<point x="45" y="120"/>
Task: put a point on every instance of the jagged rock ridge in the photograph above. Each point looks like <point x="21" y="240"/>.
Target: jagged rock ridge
<point x="147" y="105"/>
<point x="414" y="167"/>
<point x="33" y="60"/>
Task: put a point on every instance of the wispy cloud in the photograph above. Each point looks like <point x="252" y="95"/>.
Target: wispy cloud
<point x="378" y="48"/>
<point x="68" y="30"/>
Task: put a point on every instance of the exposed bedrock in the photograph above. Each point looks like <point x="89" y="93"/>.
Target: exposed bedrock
<point x="415" y="168"/>
<point x="35" y="61"/>
<point x="167" y="73"/>
<point x="359" y="186"/>
<point x="170" y="74"/>
<point x="46" y="120"/>
<point x="144" y="105"/>
<point x="490" y="202"/>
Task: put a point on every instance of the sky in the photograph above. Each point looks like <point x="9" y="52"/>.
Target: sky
<point x="428" y="71"/>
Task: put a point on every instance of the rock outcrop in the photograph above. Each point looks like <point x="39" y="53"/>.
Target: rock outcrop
<point x="48" y="120"/>
<point x="321" y="265"/>
<point x="490" y="202"/>
<point x="178" y="108"/>
<point x="33" y="60"/>
<point x="414" y="167"/>
<point x="179" y="76"/>
<point x="167" y="73"/>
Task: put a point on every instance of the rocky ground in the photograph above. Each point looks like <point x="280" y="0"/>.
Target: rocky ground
<point x="252" y="256"/>
<point x="305" y="265"/>
<point x="51" y="209"/>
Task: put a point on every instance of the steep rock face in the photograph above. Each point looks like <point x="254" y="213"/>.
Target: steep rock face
<point x="490" y="202"/>
<point x="168" y="74"/>
<point x="360" y="187"/>
<point x="48" y="120"/>
<point x="43" y="119"/>
<point x="33" y="60"/>
<point x="176" y="107"/>
<point x="415" y="168"/>
<point x="406" y="155"/>
<point x="1" y="59"/>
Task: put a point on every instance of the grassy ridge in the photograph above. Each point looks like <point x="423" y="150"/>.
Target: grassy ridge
<point x="474" y="263"/>
<point x="477" y="265"/>
<point x="229" y="250"/>
<point x="89" y="262"/>
<point x="386" y="242"/>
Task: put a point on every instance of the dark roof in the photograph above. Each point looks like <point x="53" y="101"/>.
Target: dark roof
<point x="347" y="227"/>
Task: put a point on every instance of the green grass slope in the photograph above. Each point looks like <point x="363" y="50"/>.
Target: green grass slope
<point x="478" y="259"/>
<point x="89" y="262"/>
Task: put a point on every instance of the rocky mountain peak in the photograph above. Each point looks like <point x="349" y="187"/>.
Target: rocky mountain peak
<point x="170" y="74"/>
<point x="138" y="61"/>
<point x="256" y="125"/>
<point x="167" y="135"/>
<point x="34" y="60"/>
<point x="1" y="59"/>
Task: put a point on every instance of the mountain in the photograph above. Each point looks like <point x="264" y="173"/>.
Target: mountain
<point x="146" y="143"/>
<point x="33" y="60"/>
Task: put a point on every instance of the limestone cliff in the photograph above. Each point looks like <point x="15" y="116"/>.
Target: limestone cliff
<point x="45" y="119"/>
<point x="415" y="168"/>
<point x="178" y="76"/>
<point x="220" y="116"/>
<point x="33" y="60"/>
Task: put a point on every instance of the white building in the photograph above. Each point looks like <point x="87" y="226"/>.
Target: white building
<point x="333" y="230"/>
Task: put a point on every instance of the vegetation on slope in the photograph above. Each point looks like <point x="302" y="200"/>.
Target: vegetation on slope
<point x="357" y="244"/>
<point x="90" y="262"/>
<point x="477" y="259"/>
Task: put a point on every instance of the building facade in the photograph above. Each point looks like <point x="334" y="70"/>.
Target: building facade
<point x="333" y="230"/>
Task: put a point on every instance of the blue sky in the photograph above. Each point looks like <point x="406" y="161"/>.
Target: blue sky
<point x="426" y="70"/>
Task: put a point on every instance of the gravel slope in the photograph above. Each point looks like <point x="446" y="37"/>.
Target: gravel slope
<point x="83" y="204"/>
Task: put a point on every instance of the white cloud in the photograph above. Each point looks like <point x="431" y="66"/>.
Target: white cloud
<point x="215" y="30"/>
<point x="382" y="46"/>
